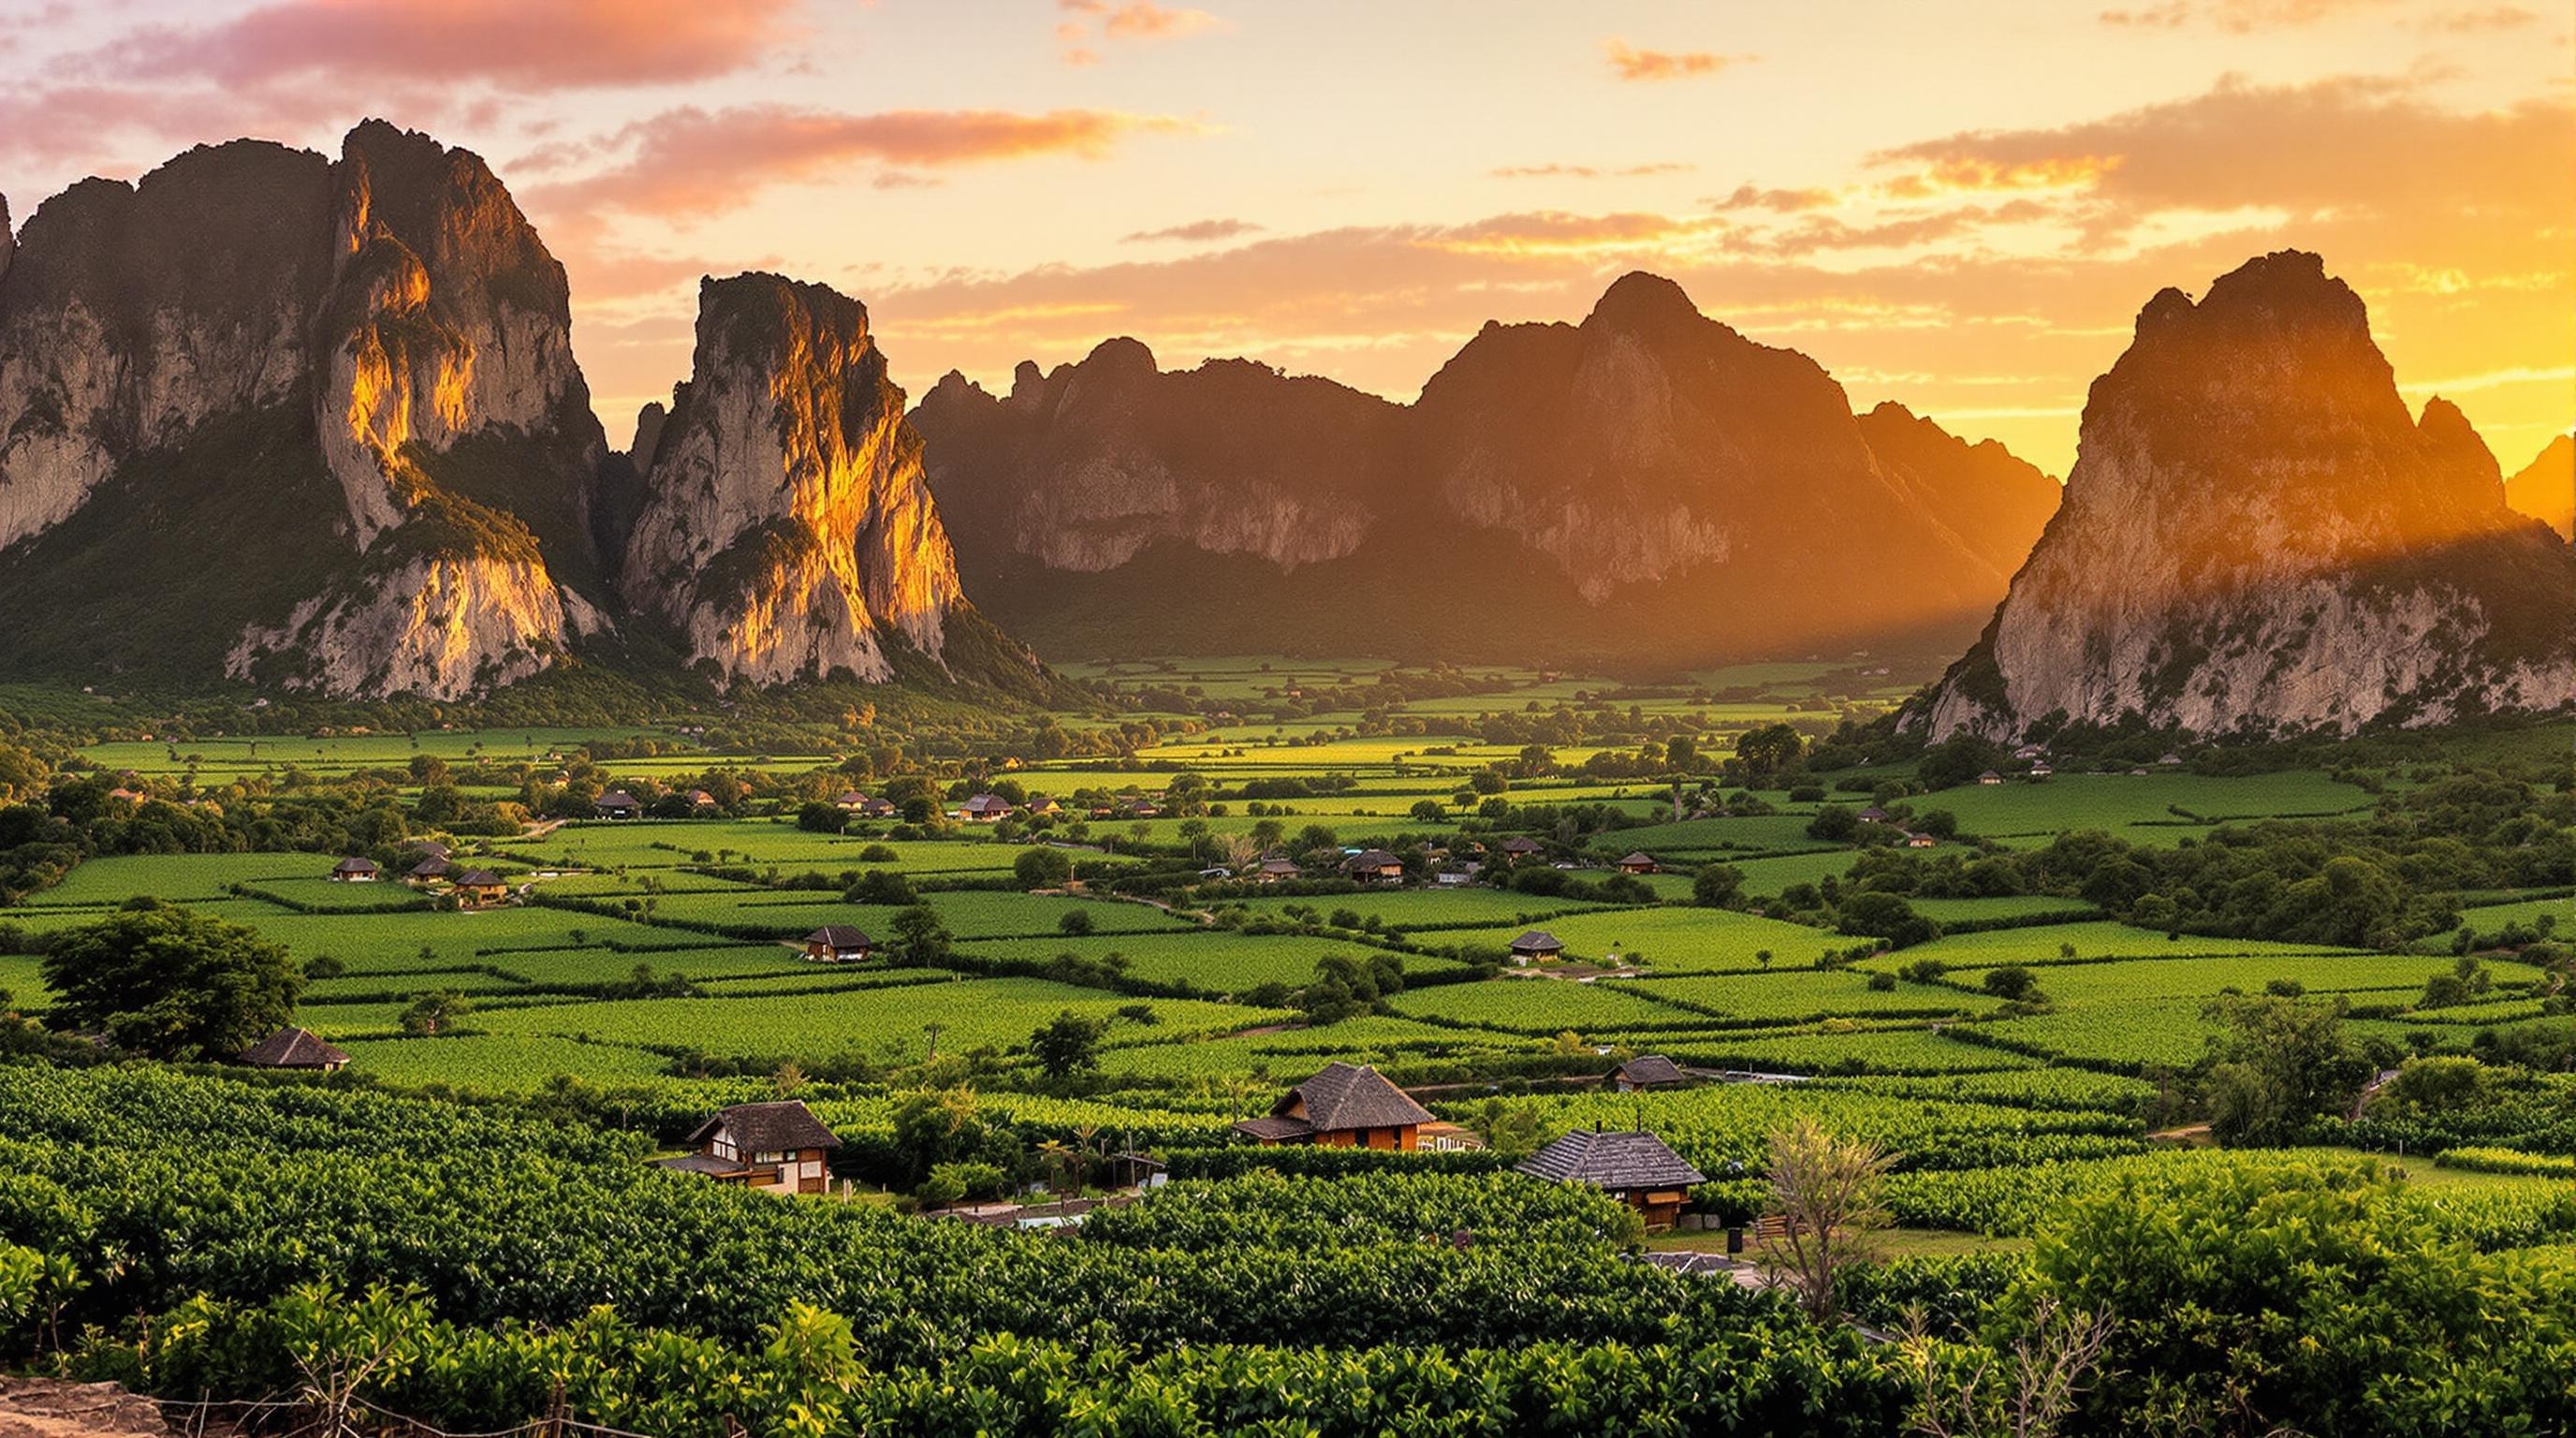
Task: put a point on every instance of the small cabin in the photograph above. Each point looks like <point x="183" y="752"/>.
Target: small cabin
<point x="431" y="848"/>
<point x="293" y="1048"/>
<point x="1519" y="847"/>
<point x="1536" y="946"/>
<point x="1873" y="815"/>
<point x="850" y="799"/>
<point x="1342" y="1106"/>
<point x="838" y="944"/>
<point x="1634" y="1168"/>
<point x="1040" y="804"/>
<point x="2041" y="769"/>
<point x="876" y="808"/>
<point x="354" y="871"/>
<point x="1922" y="841"/>
<point x="1646" y="1071"/>
<point x="1373" y="866"/>
<point x="780" y="1147"/>
<point x="1990" y="778"/>
<point x="480" y="888"/>
<point x="616" y="804"/>
<point x="700" y="801"/>
<point x="1640" y="863"/>
<point x="433" y="867"/>
<point x="1273" y="871"/>
<point x="985" y="809"/>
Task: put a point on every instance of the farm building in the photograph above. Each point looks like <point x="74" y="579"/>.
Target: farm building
<point x="1040" y="804"/>
<point x="1274" y="870"/>
<point x="1990" y="777"/>
<point x="433" y="867"/>
<point x="477" y="888"/>
<point x="1647" y="1071"/>
<point x="1873" y="815"/>
<point x="616" y="804"/>
<point x="1634" y="1168"/>
<point x="1342" y="1106"/>
<point x="354" y="871"/>
<point x="1640" y="863"/>
<point x="1921" y="841"/>
<point x="779" y="1146"/>
<point x="700" y="801"/>
<point x="851" y="799"/>
<point x="295" y="1049"/>
<point x="985" y="809"/>
<point x="1374" y="866"/>
<point x="838" y="944"/>
<point x="1519" y="847"/>
<point x="1537" y="945"/>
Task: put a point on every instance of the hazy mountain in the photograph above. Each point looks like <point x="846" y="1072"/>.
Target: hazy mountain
<point x="2257" y="533"/>
<point x="2545" y="489"/>
<point x="1646" y="487"/>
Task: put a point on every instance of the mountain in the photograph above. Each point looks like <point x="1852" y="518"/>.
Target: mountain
<point x="2545" y="489"/>
<point x="2256" y="534"/>
<point x="786" y="530"/>
<point x="309" y="420"/>
<point x="1647" y="487"/>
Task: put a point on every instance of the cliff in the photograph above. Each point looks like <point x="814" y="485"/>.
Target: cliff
<point x="2258" y="535"/>
<point x="2545" y="489"/>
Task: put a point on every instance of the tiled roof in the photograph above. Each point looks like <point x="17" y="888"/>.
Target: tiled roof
<point x="1615" y="1161"/>
<point x="770" y="1127"/>
<point x="1651" y="1069"/>
<point x="293" y="1049"/>
<point x="1348" y="1096"/>
<point x="840" y="936"/>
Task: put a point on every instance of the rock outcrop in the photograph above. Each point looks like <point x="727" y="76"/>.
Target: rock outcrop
<point x="787" y="530"/>
<point x="2545" y="489"/>
<point x="1647" y="486"/>
<point x="369" y="356"/>
<point x="2257" y="535"/>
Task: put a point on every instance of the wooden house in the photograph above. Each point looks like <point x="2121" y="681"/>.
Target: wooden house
<point x="850" y="799"/>
<point x="1519" y="847"/>
<point x="2041" y="769"/>
<point x="777" y="1146"/>
<point x="1647" y="1071"/>
<point x="1373" y="866"/>
<point x="701" y="802"/>
<point x="1635" y="1168"/>
<point x="1922" y="841"/>
<point x="985" y="809"/>
<point x="295" y="1049"/>
<point x="876" y="808"/>
<point x="1343" y="1106"/>
<point x="1873" y="815"/>
<point x="480" y="888"/>
<point x="1040" y="804"/>
<point x="354" y="871"/>
<point x="616" y="804"/>
<point x="1536" y="946"/>
<point x="1640" y="863"/>
<point x="1273" y="871"/>
<point x="838" y="944"/>
<point x="1990" y="778"/>
<point x="433" y="867"/>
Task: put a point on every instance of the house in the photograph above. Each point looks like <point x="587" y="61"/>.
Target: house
<point x="1990" y="777"/>
<point x="616" y="804"/>
<point x="838" y="944"/>
<point x="876" y="808"/>
<point x="354" y="871"/>
<point x="431" y="848"/>
<point x="1448" y="1138"/>
<point x="850" y="799"/>
<point x="1634" y="1168"/>
<point x="777" y="1146"/>
<point x="1452" y="876"/>
<point x="1640" y="863"/>
<point x="1646" y="1071"/>
<point x="2040" y="769"/>
<point x="295" y="1049"/>
<point x="433" y="867"/>
<point x="1873" y="815"/>
<point x="1922" y="841"/>
<point x="1519" y="847"/>
<point x="700" y="801"/>
<point x="1040" y="804"/>
<point x="1537" y="945"/>
<point x="1274" y="870"/>
<point x="1343" y="1106"/>
<point x="1374" y="866"/>
<point x="476" y="888"/>
<point x="985" y="809"/>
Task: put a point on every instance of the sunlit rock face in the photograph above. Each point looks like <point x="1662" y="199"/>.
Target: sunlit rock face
<point x="787" y="530"/>
<point x="2545" y="489"/>
<point x="2258" y="535"/>
<point x="1648" y="461"/>
<point x="248" y="318"/>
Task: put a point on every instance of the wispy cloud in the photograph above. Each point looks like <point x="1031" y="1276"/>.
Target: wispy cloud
<point x="1589" y="172"/>
<point x="1630" y="63"/>
<point x="1197" y="231"/>
<point x="1106" y="21"/>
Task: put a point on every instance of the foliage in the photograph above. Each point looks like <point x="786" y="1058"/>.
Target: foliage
<point x="172" y="983"/>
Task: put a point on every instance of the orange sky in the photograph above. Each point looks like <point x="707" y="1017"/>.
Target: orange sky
<point x="1958" y="206"/>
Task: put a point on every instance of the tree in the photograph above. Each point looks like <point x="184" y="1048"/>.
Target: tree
<point x="434" y="1013"/>
<point x="1041" y="868"/>
<point x="1833" y="823"/>
<point x="1681" y="753"/>
<point x="1769" y="750"/>
<point x="925" y="937"/>
<point x="2013" y="981"/>
<point x="1825" y="1192"/>
<point x="1076" y="922"/>
<point x="2279" y="1064"/>
<point x="169" y="983"/>
<point x="819" y="817"/>
<point x="1067" y="1044"/>
<point x="1717" y="886"/>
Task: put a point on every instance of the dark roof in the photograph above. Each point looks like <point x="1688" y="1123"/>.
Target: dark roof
<point x="1372" y="859"/>
<point x="1348" y="1096"/>
<point x="354" y="866"/>
<point x="431" y="847"/>
<point x="770" y="1127"/>
<point x="1650" y="1069"/>
<point x="1873" y="812"/>
<point x="1538" y="939"/>
<point x="616" y="799"/>
<point x="431" y="867"/>
<point x="1275" y="1129"/>
<point x="1520" y="845"/>
<point x="840" y="936"/>
<point x="1613" y="1161"/>
<point x="988" y="801"/>
<point x="477" y="878"/>
<point x="293" y="1049"/>
<point x="1279" y="866"/>
<point x="1639" y="857"/>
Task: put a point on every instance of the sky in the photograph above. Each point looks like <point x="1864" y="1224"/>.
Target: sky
<point x="1957" y="206"/>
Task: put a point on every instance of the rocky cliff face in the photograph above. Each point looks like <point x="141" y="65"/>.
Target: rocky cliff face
<point x="786" y="528"/>
<point x="2257" y="534"/>
<point x="2545" y="489"/>
<point x="1648" y="461"/>
<point x="372" y="354"/>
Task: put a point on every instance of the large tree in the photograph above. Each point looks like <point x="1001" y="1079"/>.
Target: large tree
<point x="170" y="983"/>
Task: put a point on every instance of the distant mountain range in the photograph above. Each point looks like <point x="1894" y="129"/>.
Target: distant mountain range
<point x="1646" y="487"/>
<point x="2258" y="536"/>
<point x="317" y="423"/>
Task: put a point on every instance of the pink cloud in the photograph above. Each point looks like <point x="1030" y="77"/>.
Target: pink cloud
<point x="1630" y="63"/>
<point x="1133" y="20"/>
<point x="1199" y="231"/>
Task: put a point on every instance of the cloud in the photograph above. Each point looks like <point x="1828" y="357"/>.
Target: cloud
<point x="690" y="161"/>
<point x="1630" y="63"/>
<point x="1198" y="231"/>
<point x="2239" y="17"/>
<point x="578" y="43"/>
<point x="1749" y="197"/>
<point x="1135" y="20"/>
<point x="1589" y="172"/>
<point x="2493" y="17"/>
